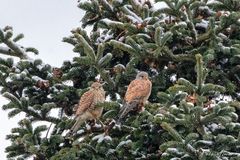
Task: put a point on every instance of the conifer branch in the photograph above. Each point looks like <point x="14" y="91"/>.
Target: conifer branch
<point x="12" y="48"/>
<point x="179" y="57"/>
<point x="172" y="132"/>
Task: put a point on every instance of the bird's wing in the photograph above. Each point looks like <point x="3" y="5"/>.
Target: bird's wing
<point x="85" y="102"/>
<point x="138" y="89"/>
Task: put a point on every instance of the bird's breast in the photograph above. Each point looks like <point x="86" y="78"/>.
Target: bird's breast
<point x="99" y="96"/>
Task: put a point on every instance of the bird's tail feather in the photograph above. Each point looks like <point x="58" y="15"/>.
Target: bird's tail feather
<point x="126" y="108"/>
<point x="79" y="120"/>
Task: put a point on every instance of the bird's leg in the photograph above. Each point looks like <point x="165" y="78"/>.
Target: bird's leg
<point x="140" y="107"/>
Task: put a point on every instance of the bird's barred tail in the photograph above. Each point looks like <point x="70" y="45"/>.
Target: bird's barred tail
<point x="126" y="108"/>
<point x="123" y="112"/>
<point x="79" y="120"/>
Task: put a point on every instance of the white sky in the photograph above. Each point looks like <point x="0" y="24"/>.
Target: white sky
<point x="44" y="24"/>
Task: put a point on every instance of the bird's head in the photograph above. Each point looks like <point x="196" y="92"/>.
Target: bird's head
<point x="142" y="75"/>
<point x="97" y="85"/>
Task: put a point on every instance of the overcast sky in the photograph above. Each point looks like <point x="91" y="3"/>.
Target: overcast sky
<point x="44" y="24"/>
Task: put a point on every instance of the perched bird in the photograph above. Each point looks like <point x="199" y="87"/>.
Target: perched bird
<point x="137" y="94"/>
<point x="87" y="105"/>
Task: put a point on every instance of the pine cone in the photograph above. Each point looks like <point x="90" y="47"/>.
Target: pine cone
<point x="43" y="84"/>
<point x="57" y="73"/>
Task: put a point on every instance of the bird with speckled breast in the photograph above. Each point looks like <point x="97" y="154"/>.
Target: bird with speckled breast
<point x="87" y="109"/>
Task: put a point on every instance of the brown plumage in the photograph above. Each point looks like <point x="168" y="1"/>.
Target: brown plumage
<point x="137" y="94"/>
<point x="87" y="105"/>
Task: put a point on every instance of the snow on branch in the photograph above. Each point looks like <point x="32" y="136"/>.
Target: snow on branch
<point x="11" y="48"/>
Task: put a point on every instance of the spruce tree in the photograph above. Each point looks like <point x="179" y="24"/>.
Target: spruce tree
<point x="190" y="49"/>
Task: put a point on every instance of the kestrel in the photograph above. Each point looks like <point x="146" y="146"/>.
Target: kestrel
<point x="87" y="105"/>
<point x="137" y="94"/>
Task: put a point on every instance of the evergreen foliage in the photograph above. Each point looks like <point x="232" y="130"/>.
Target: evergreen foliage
<point x="190" y="49"/>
